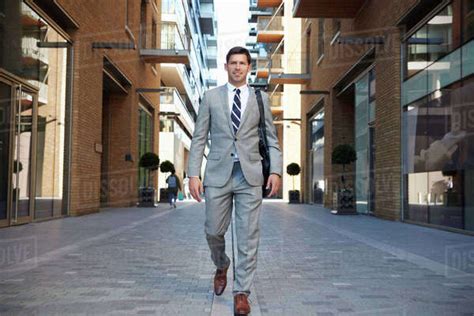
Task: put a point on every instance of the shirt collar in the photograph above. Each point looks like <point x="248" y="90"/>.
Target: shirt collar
<point x="231" y="87"/>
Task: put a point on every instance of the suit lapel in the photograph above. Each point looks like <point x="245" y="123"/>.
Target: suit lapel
<point x="250" y="109"/>
<point x="225" y="103"/>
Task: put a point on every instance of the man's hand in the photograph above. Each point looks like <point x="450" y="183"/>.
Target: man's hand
<point x="195" y="188"/>
<point x="273" y="183"/>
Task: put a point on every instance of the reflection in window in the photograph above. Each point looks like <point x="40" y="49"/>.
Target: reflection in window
<point x="46" y="69"/>
<point x="317" y="156"/>
<point x="439" y="157"/>
<point x="145" y="140"/>
<point x="468" y="20"/>
<point x="167" y="125"/>
<point x="431" y="42"/>
<point x="168" y="6"/>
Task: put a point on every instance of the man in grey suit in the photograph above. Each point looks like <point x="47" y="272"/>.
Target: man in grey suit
<point x="233" y="172"/>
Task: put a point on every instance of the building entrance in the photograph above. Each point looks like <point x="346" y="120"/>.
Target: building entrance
<point x="18" y="103"/>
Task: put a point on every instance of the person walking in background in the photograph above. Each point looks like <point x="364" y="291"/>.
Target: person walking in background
<point x="233" y="172"/>
<point x="173" y="186"/>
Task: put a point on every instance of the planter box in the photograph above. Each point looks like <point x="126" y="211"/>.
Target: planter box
<point x="345" y="203"/>
<point x="294" y="197"/>
<point x="146" y="197"/>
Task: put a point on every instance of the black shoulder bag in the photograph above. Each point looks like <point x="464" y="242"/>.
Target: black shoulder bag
<point x="262" y="144"/>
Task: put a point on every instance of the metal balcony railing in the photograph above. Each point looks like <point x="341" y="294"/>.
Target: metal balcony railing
<point x="276" y="99"/>
<point x="171" y="100"/>
<point x="174" y="47"/>
<point x="30" y="49"/>
<point x="172" y="38"/>
<point x="266" y="23"/>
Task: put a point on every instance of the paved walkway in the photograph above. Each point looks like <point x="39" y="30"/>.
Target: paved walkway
<point x="155" y="261"/>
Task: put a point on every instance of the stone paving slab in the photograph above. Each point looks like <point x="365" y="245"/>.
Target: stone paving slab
<point x="315" y="263"/>
<point x="155" y="261"/>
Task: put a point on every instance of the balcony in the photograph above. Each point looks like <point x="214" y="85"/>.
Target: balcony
<point x="176" y="75"/>
<point x="171" y="102"/>
<point x="31" y="54"/>
<point x="211" y="40"/>
<point x="326" y="8"/>
<point x="276" y="99"/>
<point x="206" y="18"/>
<point x="266" y="66"/>
<point x="270" y="29"/>
<point x="255" y="12"/>
<point x="174" y="47"/>
<point x="211" y="57"/>
<point x="269" y="3"/>
<point x="296" y="70"/>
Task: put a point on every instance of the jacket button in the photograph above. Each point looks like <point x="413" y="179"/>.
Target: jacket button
<point x="232" y="155"/>
<point x="235" y="139"/>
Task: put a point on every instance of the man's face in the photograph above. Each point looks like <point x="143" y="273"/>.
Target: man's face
<point x="237" y="69"/>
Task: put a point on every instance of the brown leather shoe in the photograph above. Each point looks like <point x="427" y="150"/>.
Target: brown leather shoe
<point x="241" y="305"/>
<point x="220" y="281"/>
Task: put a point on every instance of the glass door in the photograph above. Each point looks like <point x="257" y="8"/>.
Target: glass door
<point x="17" y="107"/>
<point x="5" y="115"/>
<point x="24" y="105"/>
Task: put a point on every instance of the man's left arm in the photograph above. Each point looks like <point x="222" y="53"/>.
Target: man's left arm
<point x="276" y="159"/>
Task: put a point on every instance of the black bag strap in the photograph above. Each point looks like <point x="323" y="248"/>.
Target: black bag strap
<point x="261" y="123"/>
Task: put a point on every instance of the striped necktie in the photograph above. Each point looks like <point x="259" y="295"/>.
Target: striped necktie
<point x="236" y="110"/>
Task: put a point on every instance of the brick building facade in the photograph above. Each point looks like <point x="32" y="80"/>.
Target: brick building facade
<point x="75" y="81"/>
<point x="363" y="57"/>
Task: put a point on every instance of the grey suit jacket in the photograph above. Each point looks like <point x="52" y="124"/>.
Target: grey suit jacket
<point x="214" y="117"/>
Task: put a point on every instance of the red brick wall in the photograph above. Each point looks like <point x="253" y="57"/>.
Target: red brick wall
<point x="375" y="18"/>
<point x="105" y="21"/>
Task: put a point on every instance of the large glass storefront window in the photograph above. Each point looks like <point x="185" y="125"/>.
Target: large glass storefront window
<point x="438" y="120"/>
<point x="439" y="157"/>
<point x="48" y="72"/>
<point x="145" y="140"/>
<point x="35" y="52"/>
<point x="317" y="158"/>
<point x="364" y="142"/>
<point x="431" y="42"/>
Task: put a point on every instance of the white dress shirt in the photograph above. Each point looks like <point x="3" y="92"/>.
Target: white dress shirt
<point x="244" y="97"/>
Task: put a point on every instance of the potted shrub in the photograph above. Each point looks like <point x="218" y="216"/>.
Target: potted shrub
<point x="165" y="167"/>
<point x="149" y="161"/>
<point x="293" y="169"/>
<point x="343" y="155"/>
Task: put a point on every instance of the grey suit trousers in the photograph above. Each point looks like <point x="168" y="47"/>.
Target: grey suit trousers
<point x="247" y="200"/>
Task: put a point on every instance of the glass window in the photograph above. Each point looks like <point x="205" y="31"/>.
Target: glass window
<point x="317" y="157"/>
<point x="336" y="26"/>
<point x="439" y="157"/>
<point x="143" y="24"/>
<point x="154" y="35"/>
<point x="167" y="125"/>
<point x="46" y="68"/>
<point x="145" y="140"/>
<point x="168" y="6"/>
<point x="320" y="38"/>
<point x="468" y="20"/>
<point x="372" y="96"/>
<point x="431" y="42"/>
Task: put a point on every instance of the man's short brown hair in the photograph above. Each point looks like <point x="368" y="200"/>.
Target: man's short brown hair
<point x="238" y="50"/>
